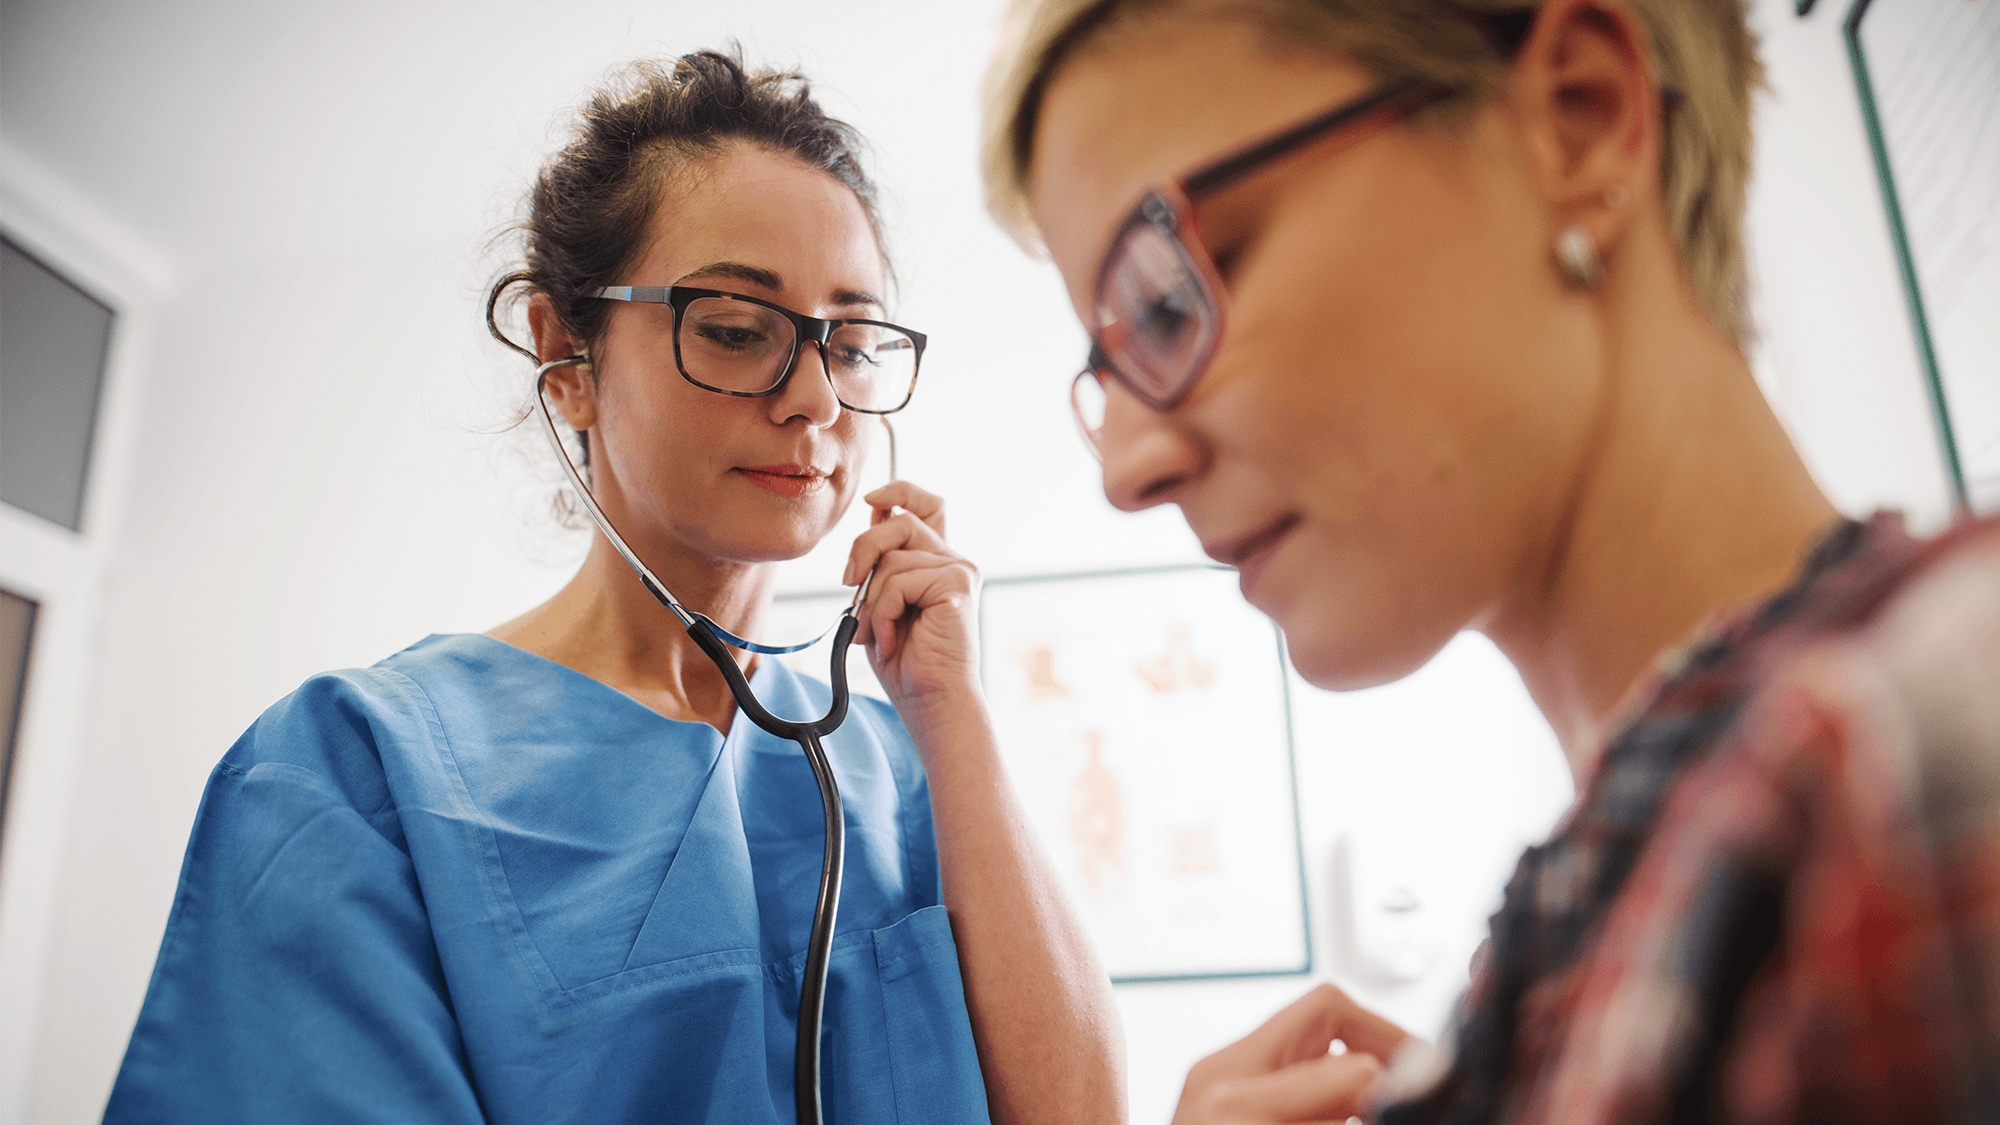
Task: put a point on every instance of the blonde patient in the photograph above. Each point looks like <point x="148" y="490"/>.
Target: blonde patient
<point x="1428" y="315"/>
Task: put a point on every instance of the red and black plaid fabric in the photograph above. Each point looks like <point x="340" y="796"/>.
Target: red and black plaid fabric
<point x="1778" y="899"/>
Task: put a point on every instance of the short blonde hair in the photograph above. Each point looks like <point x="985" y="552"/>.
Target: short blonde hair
<point x="1703" y="50"/>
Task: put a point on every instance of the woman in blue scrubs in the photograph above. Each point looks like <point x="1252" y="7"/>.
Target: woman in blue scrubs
<point x="543" y="874"/>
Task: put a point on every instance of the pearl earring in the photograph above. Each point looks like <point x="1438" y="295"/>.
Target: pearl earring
<point x="1576" y="253"/>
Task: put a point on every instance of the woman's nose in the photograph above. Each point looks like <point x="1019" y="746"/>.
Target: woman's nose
<point x="1147" y="457"/>
<point x="809" y="392"/>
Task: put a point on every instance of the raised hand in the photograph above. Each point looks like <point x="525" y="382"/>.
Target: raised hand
<point x="920" y="618"/>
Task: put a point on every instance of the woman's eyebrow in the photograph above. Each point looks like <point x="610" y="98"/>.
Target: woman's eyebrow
<point x="852" y="297"/>
<point x="755" y="275"/>
<point x="775" y="282"/>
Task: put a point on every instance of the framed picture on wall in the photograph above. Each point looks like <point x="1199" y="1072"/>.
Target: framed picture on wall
<point x="1145" y="722"/>
<point x="1928" y="75"/>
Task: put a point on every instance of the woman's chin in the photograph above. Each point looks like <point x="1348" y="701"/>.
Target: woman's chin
<point x="1349" y="659"/>
<point x="776" y="542"/>
<point x="774" y="552"/>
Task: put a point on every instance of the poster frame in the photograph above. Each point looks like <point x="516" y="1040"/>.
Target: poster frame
<point x="1306" y="965"/>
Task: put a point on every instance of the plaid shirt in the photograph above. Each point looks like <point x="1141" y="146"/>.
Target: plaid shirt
<point x="1778" y="899"/>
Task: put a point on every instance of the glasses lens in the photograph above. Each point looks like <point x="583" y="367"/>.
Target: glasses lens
<point x="873" y="366"/>
<point x="734" y="345"/>
<point x="1155" y="315"/>
<point x="1086" y="397"/>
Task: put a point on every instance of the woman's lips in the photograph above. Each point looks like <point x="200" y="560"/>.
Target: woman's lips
<point x="785" y="480"/>
<point x="1254" y="553"/>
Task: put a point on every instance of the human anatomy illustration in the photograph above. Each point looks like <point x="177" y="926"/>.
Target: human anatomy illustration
<point x="1178" y="668"/>
<point x="1097" y="822"/>
<point x="1145" y="722"/>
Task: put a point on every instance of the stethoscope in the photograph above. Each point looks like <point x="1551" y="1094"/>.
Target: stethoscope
<point x="715" y="641"/>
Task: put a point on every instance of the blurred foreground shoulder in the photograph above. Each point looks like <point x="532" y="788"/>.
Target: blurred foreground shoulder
<point x="1779" y="898"/>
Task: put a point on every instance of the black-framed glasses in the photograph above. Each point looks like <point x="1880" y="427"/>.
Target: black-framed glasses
<point x="1158" y="306"/>
<point x="744" y="346"/>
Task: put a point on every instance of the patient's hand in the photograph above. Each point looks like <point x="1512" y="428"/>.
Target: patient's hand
<point x="1282" y="1071"/>
<point x="920" y="619"/>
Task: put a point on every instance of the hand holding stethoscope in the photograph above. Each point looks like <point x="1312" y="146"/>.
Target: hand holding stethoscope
<point x="919" y="615"/>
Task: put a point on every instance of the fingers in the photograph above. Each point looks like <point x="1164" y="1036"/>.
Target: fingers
<point x="888" y="604"/>
<point x="1324" y="1088"/>
<point x="901" y="531"/>
<point x="1305" y="1028"/>
<point x="1282" y="1071"/>
<point x="909" y="580"/>
<point x="926" y="506"/>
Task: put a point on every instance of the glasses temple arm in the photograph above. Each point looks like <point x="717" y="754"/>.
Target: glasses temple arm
<point x="1214" y="175"/>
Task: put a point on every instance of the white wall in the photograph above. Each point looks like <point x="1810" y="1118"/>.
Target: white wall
<point x="310" y="486"/>
<point x="1837" y="355"/>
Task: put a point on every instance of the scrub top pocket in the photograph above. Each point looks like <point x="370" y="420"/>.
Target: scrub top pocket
<point x="896" y="1046"/>
<point x="929" y="1033"/>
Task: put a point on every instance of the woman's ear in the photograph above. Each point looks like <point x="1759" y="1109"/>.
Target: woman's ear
<point x="573" y="390"/>
<point x="1585" y="94"/>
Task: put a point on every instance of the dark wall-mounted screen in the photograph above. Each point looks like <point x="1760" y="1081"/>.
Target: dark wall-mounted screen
<point x="54" y="338"/>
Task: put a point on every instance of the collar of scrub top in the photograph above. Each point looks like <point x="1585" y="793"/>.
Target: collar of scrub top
<point x="646" y="576"/>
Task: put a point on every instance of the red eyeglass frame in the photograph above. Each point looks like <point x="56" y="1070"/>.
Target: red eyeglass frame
<point x="1171" y="208"/>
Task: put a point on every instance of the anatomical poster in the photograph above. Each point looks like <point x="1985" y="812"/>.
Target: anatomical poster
<point x="1144" y="721"/>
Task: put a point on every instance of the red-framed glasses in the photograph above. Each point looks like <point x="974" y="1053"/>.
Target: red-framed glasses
<point x="1159" y="306"/>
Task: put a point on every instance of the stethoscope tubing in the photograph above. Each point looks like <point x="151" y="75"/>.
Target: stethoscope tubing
<point x="714" y="640"/>
<point x="833" y="857"/>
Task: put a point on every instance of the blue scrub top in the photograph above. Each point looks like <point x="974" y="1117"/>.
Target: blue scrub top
<point x="469" y="884"/>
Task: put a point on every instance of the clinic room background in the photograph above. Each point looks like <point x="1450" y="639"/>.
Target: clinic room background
<point x="301" y="461"/>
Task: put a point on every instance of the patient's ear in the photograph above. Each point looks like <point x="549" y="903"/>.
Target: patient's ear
<point x="573" y="390"/>
<point x="1585" y="95"/>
